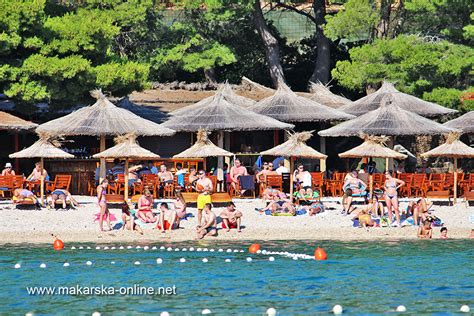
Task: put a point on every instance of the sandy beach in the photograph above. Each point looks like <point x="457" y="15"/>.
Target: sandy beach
<point x="76" y="225"/>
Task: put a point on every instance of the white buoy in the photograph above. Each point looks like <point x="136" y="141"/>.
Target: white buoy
<point x="138" y="247"/>
<point x="271" y="311"/>
<point x="112" y="262"/>
<point x="229" y="250"/>
<point x="43" y="265"/>
<point x="121" y="247"/>
<point x="236" y="250"/>
<point x="264" y="252"/>
<point x="164" y="314"/>
<point x="241" y="250"/>
<point x="81" y="247"/>
<point x="259" y="251"/>
<point x="228" y="260"/>
<point x="106" y="248"/>
<point x="162" y="247"/>
<point x="401" y="309"/>
<point x="17" y="266"/>
<point x="271" y="259"/>
<point x="249" y="259"/>
<point x="220" y="250"/>
<point x="97" y="248"/>
<point x="205" y="249"/>
<point x="184" y="249"/>
<point x="146" y="248"/>
<point x="205" y="260"/>
<point x="88" y="247"/>
<point x="159" y="261"/>
<point x="73" y="247"/>
<point x="89" y="263"/>
<point x="295" y="258"/>
<point x="182" y="260"/>
<point x="153" y="248"/>
<point x="337" y="309"/>
<point x="129" y="247"/>
<point x="191" y="249"/>
<point x="211" y="250"/>
<point x="137" y="263"/>
<point x="206" y="311"/>
<point x="176" y="249"/>
<point x="112" y="248"/>
<point x="29" y="314"/>
<point x="95" y="314"/>
<point x="66" y="264"/>
<point x="199" y="249"/>
<point x="465" y="309"/>
<point x="169" y="249"/>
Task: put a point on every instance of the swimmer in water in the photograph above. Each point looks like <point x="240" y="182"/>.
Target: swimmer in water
<point x="425" y="231"/>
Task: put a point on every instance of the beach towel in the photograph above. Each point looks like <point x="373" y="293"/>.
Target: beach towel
<point x="97" y="217"/>
<point x="247" y="183"/>
<point x="259" y="163"/>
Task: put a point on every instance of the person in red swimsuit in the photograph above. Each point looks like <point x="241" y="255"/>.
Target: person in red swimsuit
<point x="145" y="204"/>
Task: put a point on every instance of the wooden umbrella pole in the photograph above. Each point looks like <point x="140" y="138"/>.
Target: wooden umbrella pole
<point x="322" y="162"/>
<point x="17" y="149"/>
<point x="42" y="181"/>
<point x="125" y="176"/>
<point x="455" y="179"/>
<point x="220" y="159"/>
<point x="371" y="184"/>
<point x="102" y="160"/>
<point x="386" y="164"/>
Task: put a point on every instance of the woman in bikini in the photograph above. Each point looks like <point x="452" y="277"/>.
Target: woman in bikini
<point x="180" y="208"/>
<point x="391" y="196"/>
<point x="145" y="203"/>
<point x="128" y="220"/>
<point x="102" y="200"/>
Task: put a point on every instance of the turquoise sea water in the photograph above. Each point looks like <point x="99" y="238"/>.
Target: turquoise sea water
<point x="428" y="277"/>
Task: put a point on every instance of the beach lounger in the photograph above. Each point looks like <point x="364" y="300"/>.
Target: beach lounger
<point x="115" y="198"/>
<point x="216" y="198"/>
<point x="440" y="195"/>
<point x="25" y="202"/>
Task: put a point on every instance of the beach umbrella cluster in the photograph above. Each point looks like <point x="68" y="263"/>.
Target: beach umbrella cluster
<point x="465" y="123"/>
<point x="322" y="95"/>
<point x="203" y="148"/>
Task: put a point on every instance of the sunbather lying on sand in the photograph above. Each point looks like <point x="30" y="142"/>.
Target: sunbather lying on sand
<point x="276" y="207"/>
<point x="63" y="196"/>
<point x="22" y="194"/>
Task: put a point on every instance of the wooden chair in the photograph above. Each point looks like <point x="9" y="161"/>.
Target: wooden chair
<point x="379" y="180"/>
<point x="61" y="181"/>
<point x="149" y="181"/>
<point x="115" y="198"/>
<point x="335" y="184"/>
<point x="317" y="182"/>
<point x="468" y="196"/>
<point x="6" y="186"/>
<point x="118" y="186"/>
<point x="405" y="190"/>
<point x="274" y="181"/>
<point x="467" y="184"/>
<point x="436" y="182"/>
<point x="418" y="185"/>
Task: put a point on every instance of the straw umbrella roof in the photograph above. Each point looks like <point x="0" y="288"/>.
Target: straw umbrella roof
<point x="403" y="100"/>
<point x="127" y="147"/>
<point x="221" y="115"/>
<point x="373" y="146"/>
<point x="203" y="148"/>
<point x="287" y="106"/>
<point x="452" y="148"/>
<point x="228" y="94"/>
<point x="388" y="119"/>
<point x="45" y="147"/>
<point x="464" y="123"/>
<point x="103" y="119"/>
<point x="11" y="122"/>
<point x="150" y="114"/>
<point x="295" y="146"/>
<point x="324" y="96"/>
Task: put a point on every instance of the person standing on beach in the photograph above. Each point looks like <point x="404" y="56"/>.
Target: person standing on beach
<point x="391" y="196"/>
<point x="204" y="187"/>
<point x="102" y="200"/>
<point x="209" y="227"/>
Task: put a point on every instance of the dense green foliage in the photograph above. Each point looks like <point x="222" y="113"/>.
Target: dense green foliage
<point x="56" y="51"/>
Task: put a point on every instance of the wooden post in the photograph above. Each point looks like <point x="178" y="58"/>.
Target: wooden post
<point x="391" y="143"/>
<point x="276" y="141"/>
<point x="102" y="160"/>
<point x="220" y="159"/>
<point x="455" y="179"/>
<point x="125" y="176"/>
<point x="386" y="164"/>
<point x="227" y="147"/>
<point x="371" y="185"/>
<point x="17" y="149"/>
<point x="322" y="162"/>
<point x="41" y="181"/>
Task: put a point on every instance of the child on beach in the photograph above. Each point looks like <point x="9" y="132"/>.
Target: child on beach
<point x="443" y="233"/>
<point x="231" y="217"/>
<point x="365" y="220"/>
<point x="209" y="227"/>
<point x="425" y="231"/>
<point x="128" y="220"/>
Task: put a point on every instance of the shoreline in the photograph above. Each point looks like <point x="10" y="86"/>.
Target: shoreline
<point x="77" y="226"/>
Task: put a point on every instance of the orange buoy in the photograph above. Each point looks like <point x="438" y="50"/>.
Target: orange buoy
<point x="254" y="248"/>
<point x="320" y="254"/>
<point x="58" y="244"/>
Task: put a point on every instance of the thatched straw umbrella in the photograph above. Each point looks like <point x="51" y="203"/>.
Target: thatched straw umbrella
<point x="45" y="147"/>
<point x="145" y="112"/>
<point x="324" y="96"/>
<point x="403" y="100"/>
<point x="294" y="147"/>
<point x="203" y="148"/>
<point x="103" y="119"/>
<point x="388" y="119"/>
<point x="465" y="123"/>
<point x="126" y="148"/>
<point x="373" y="147"/>
<point x="452" y="148"/>
<point x="287" y="106"/>
<point x="16" y="125"/>
<point x="228" y="94"/>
